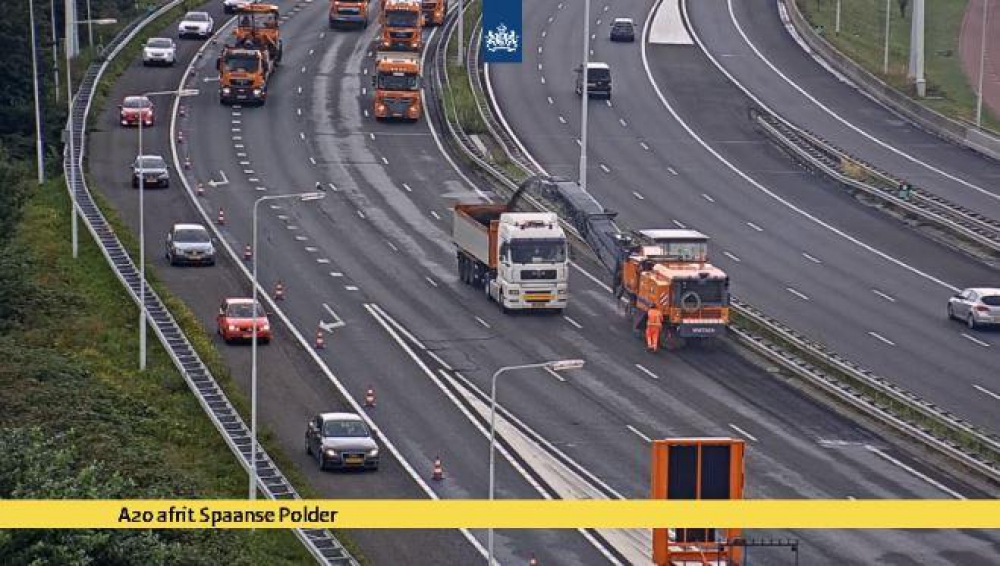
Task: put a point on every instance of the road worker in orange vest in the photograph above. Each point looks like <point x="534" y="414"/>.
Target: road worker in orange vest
<point x="654" y="324"/>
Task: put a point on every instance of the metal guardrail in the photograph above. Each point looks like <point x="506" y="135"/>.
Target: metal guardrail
<point x="820" y="154"/>
<point x="320" y="543"/>
<point x="867" y="392"/>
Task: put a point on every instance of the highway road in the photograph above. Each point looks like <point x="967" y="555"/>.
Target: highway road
<point x="675" y="147"/>
<point x="377" y="254"/>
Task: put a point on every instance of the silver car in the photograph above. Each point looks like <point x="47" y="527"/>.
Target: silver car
<point x="341" y="440"/>
<point x="198" y="24"/>
<point x="159" y="51"/>
<point x="153" y="171"/>
<point x="978" y="306"/>
<point x="189" y="243"/>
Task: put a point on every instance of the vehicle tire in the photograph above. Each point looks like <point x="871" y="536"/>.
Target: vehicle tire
<point x="951" y="312"/>
<point x="970" y="321"/>
<point x="319" y="461"/>
<point x="135" y="183"/>
<point x="309" y="448"/>
<point x="166" y="184"/>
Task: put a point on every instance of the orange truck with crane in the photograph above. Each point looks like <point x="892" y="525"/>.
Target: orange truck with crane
<point x="246" y="66"/>
<point x="434" y="11"/>
<point x="257" y="27"/>
<point x="401" y="21"/>
<point x="348" y="13"/>
<point x="667" y="268"/>
<point x="397" y="86"/>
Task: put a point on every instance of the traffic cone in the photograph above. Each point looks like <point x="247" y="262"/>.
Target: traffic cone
<point x="200" y="189"/>
<point x="279" y="291"/>
<point x="319" y="339"/>
<point x="180" y="136"/>
<point x="187" y="163"/>
<point x="533" y="561"/>
<point x="438" y="473"/>
<point x="222" y="217"/>
<point x="370" y="397"/>
<point x="182" y="110"/>
<point x="247" y="253"/>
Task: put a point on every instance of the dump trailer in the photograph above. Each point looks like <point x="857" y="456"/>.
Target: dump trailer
<point x="243" y="75"/>
<point x="397" y="86"/>
<point x="257" y="28"/>
<point x="434" y="11"/>
<point x="664" y="267"/>
<point x="348" y="13"/>
<point x="518" y="258"/>
<point x="401" y="22"/>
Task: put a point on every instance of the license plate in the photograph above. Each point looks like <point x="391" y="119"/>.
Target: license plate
<point x="354" y="460"/>
<point x="150" y="179"/>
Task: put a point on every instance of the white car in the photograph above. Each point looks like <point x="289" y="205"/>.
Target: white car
<point x="230" y="6"/>
<point x="978" y="306"/>
<point x="198" y="24"/>
<point x="159" y="51"/>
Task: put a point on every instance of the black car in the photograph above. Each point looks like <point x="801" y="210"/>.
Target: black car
<point x="598" y="80"/>
<point x="153" y="171"/>
<point x="623" y="29"/>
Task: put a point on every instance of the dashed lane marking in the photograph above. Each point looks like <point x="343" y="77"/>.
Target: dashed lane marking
<point x="679" y="224"/>
<point x="987" y="391"/>
<point x="336" y="274"/>
<point x="881" y="338"/>
<point x="884" y="296"/>
<point x="322" y="260"/>
<point x="350" y="287"/>
<point x="731" y="256"/>
<point x="797" y="293"/>
<point x="605" y="168"/>
<point x="975" y="340"/>
<point x="755" y="227"/>
<point x="638" y="196"/>
<point x="573" y="322"/>
<point x="407" y="188"/>
<point x="743" y="432"/>
<point x="483" y="322"/>
<point x="646" y="371"/>
<point x="639" y="433"/>
<point x="435" y="215"/>
<point x="811" y="258"/>
<point x="431" y="281"/>
<point x="707" y="197"/>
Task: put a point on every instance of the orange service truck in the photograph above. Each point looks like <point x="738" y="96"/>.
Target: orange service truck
<point x="257" y="26"/>
<point x="243" y="75"/>
<point x="397" y="86"/>
<point x="401" y="21"/>
<point x="434" y="11"/>
<point x="348" y="13"/>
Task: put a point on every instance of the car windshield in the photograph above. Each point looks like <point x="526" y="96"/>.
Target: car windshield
<point x="598" y="74"/>
<point x="402" y="19"/>
<point x="341" y="429"/>
<point x="159" y="43"/>
<point x="538" y="250"/>
<point x="196" y="17"/>
<point x="991" y="300"/>
<point x="191" y="235"/>
<point x="243" y="310"/>
<point x="691" y="293"/>
<point x="137" y="103"/>
<point x="151" y="162"/>
<point x="397" y="81"/>
<point x="623" y="26"/>
<point x="240" y="63"/>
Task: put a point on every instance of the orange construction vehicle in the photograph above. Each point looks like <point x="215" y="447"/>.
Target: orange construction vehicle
<point x="257" y="27"/>
<point x="397" y="86"/>
<point x="668" y="269"/>
<point x="243" y="75"/>
<point x="434" y="11"/>
<point x="401" y="21"/>
<point x="348" y="13"/>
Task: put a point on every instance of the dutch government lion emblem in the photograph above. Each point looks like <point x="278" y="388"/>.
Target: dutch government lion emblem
<point x="501" y="39"/>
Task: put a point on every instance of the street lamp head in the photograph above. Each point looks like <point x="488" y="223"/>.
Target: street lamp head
<point x="563" y="365"/>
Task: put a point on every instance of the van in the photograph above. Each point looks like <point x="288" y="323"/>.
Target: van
<point x="598" y="80"/>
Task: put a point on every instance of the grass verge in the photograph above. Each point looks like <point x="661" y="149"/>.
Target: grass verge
<point x="862" y="38"/>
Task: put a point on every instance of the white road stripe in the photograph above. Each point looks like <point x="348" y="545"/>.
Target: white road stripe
<point x="573" y="322"/>
<point x="562" y="120"/>
<point x="312" y="160"/>
<point x="707" y="197"/>
<point x="322" y="260"/>
<point x="431" y="281"/>
<point x="731" y="256"/>
<point x="880" y="337"/>
<point x="638" y="196"/>
<point x="336" y="274"/>
<point x="605" y="168"/>
<point x="436" y="215"/>
<point x="811" y="258"/>
<point x="755" y="227"/>
<point x="639" y="433"/>
<point x="623" y="122"/>
<point x="797" y="293"/>
<point x="743" y="432"/>
<point x="643" y="369"/>
<point x="678" y="223"/>
<point x="975" y="340"/>
<point x="483" y="322"/>
<point x="393" y="246"/>
<point x="385" y="161"/>
<point x="672" y="170"/>
<point x="301" y="238"/>
<point x="407" y="188"/>
<point x="883" y="295"/>
<point x="550" y="100"/>
<point x="350" y="287"/>
<point x="302" y="135"/>
<point x="555" y="374"/>
<point x="916" y="473"/>
<point x="987" y="391"/>
<point x="644" y="146"/>
<point x="312" y="249"/>
<point x="361" y="214"/>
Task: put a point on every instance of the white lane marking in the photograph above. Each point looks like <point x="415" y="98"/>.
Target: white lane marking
<point x="431" y="281"/>
<point x="261" y="189"/>
<point x="672" y="171"/>
<point x="291" y="227"/>
<point x="544" y="33"/>
<point x="392" y="245"/>
<point x="366" y="112"/>
<point x="333" y="187"/>
<point x="543" y="80"/>
<point x="350" y="288"/>
<point x="755" y="227"/>
<point x="811" y="258"/>
<point x="743" y="432"/>
<point x="975" y="340"/>
<point x="322" y="34"/>
<point x="274" y="206"/>
<point x="237" y="138"/>
<point x="248" y="171"/>
<point x="235" y="113"/>
<point x="840" y="118"/>
<point x="550" y="100"/>
<point x="237" y="122"/>
<point x="797" y="293"/>
<point x="638" y="196"/>
<point x="244" y="163"/>
<point x="435" y="215"/>
<point x="731" y="256"/>
<point x="987" y="391"/>
<point x="312" y="249"/>
<point x="407" y="188"/>
<point x="539" y="66"/>
<point x="555" y="374"/>
<point x="300" y="90"/>
<point x="707" y="197"/>
<point x="440" y="361"/>
<point x="483" y="322"/>
<point x="608" y="102"/>
<point x="301" y="238"/>
<point x="298" y="111"/>
<point x="238" y="146"/>
<point x="878" y="336"/>
<point x="605" y="168"/>
<point x="646" y="371"/>
<point x="623" y="122"/>
<point x="385" y="161"/>
<point x="573" y="322"/>
<point x="236" y="130"/>
<point x="312" y="160"/>
<point x="302" y="135"/>
<point x="303" y="68"/>
<point x="371" y="135"/>
<point x="336" y="274"/>
<point x="677" y="117"/>
<point x="253" y="180"/>
<point x="562" y="120"/>
<point x="361" y="214"/>
<point x="241" y="154"/>
<point x="578" y="142"/>
<point x="644" y="146"/>
<point x="883" y="295"/>
<point x="539" y="49"/>
<point x="312" y="51"/>
<point x="337" y="321"/>
<point x="678" y="223"/>
<point x="639" y="433"/>
<point x="916" y="473"/>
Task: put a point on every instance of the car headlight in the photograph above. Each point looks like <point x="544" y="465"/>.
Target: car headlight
<point x="380" y="107"/>
<point x="330" y="452"/>
<point x="373" y="452"/>
<point x="256" y="92"/>
<point x="232" y="328"/>
<point x="265" y="327"/>
<point x="225" y="90"/>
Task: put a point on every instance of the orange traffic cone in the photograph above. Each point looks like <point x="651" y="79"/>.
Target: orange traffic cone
<point x="187" y="163"/>
<point x="319" y="339"/>
<point x="180" y="136"/>
<point x="279" y="291"/>
<point x="182" y="110"/>
<point x="222" y="217"/>
<point x="370" y="397"/>
<point x="438" y="473"/>
<point x="200" y="189"/>
<point x="247" y="253"/>
<point x="533" y="561"/>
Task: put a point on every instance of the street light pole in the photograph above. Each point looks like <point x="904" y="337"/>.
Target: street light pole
<point x="585" y="95"/>
<point x="559" y="365"/>
<point x="461" y="32"/>
<point x="917" y="49"/>
<point x="90" y="28"/>
<point x="72" y="146"/>
<point x="39" y="150"/>
<point x="982" y="65"/>
<point x="304" y="197"/>
<point x="55" y="49"/>
<point x="885" y="52"/>
<point x="836" y="25"/>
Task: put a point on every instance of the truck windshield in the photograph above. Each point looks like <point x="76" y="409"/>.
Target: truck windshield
<point x="396" y="81"/>
<point x="538" y="251"/>
<point x="402" y="19"/>
<point x="694" y="293"/>
<point x="240" y="63"/>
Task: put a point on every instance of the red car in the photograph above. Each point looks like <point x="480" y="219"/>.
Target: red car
<point x="135" y="108"/>
<point x="235" y="321"/>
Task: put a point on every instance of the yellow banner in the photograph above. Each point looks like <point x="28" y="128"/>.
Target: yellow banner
<point x="507" y="514"/>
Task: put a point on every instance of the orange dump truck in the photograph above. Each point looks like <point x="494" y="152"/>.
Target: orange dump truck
<point x="434" y="11"/>
<point x="243" y="75"/>
<point x="257" y="27"/>
<point x="348" y="13"/>
<point x="401" y="21"/>
<point x="397" y="86"/>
